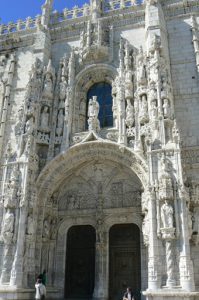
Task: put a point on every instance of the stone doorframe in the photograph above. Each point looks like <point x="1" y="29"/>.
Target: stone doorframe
<point x="64" y="165"/>
<point x="101" y="289"/>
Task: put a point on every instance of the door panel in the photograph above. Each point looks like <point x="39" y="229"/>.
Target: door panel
<point x="124" y="267"/>
<point x="80" y="262"/>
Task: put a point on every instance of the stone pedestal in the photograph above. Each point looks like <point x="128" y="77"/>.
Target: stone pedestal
<point x="170" y="294"/>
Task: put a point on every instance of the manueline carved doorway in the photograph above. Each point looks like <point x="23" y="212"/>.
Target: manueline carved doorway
<point x="80" y="262"/>
<point x="124" y="260"/>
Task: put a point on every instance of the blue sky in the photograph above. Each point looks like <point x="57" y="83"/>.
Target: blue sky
<point x="12" y="10"/>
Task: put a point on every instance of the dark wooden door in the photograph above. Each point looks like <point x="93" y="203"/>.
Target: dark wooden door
<point x="124" y="260"/>
<point x="80" y="262"/>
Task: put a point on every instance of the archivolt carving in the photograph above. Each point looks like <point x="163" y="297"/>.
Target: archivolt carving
<point x="65" y="164"/>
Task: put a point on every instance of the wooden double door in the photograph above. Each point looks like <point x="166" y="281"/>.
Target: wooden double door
<point x="124" y="261"/>
<point x="80" y="262"/>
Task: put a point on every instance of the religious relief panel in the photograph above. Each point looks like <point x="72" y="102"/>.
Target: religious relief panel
<point x="123" y="193"/>
<point x="100" y="186"/>
<point x="77" y="196"/>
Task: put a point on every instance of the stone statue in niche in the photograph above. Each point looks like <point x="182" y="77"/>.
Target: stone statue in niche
<point x="73" y="202"/>
<point x="12" y="191"/>
<point x="143" y="114"/>
<point x="26" y="137"/>
<point x="166" y="108"/>
<point x="48" y="86"/>
<point x="44" y="124"/>
<point x="54" y="229"/>
<point x="19" y="124"/>
<point x="129" y="114"/>
<point x="60" y="122"/>
<point x="30" y="225"/>
<point x="46" y="228"/>
<point x="93" y="111"/>
<point x="29" y="126"/>
<point x="99" y="231"/>
<point x="62" y="88"/>
<point x="141" y="69"/>
<point x="8" y="227"/>
<point x="154" y="111"/>
<point x="167" y="215"/>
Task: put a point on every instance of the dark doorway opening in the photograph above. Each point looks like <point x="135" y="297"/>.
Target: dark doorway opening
<point x="124" y="260"/>
<point x="80" y="262"/>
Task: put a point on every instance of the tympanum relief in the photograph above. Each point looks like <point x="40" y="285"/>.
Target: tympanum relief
<point x="96" y="181"/>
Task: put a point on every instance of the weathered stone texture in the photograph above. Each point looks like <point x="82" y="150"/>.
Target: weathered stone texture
<point x="62" y="167"/>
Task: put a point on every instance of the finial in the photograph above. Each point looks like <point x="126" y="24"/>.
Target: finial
<point x="96" y="8"/>
<point x="46" y="11"/>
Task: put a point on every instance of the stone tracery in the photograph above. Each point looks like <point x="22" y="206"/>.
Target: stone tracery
<point x="50" y="130"/>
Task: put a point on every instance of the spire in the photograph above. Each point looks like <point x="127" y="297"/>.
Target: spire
<point x="46" y="11"/>
<point x="96" y="8"/>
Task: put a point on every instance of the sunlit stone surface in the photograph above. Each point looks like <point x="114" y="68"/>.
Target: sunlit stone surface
<point x="99" y="151"/>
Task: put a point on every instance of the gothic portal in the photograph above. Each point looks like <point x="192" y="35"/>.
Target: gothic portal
<point x="99" y="151"/>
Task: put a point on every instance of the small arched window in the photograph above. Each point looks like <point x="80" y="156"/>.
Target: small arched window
<point x="103" y="92"/>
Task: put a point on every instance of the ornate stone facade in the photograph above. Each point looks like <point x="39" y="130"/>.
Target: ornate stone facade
<point x="62" y="167"/>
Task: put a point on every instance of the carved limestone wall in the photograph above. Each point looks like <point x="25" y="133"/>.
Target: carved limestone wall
<point x="61" y="166"/>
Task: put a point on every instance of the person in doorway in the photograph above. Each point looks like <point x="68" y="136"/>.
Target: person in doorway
<point x="42" y="276"/>
<point x="128" y="295"/>
<point x="40" y="290"/>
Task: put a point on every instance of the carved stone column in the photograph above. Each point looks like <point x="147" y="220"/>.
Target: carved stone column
<point x="101" y="265"/>
<point x="17" y="271"/>
<point x="7" y="258"/>
<point x="168" y="234"/>
<point x="121" y="115"/>
<point x="154" y="280"/>
<point x="186" y="264"/>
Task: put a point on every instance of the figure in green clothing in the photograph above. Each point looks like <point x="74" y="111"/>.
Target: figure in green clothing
<point x="43" y="277"/>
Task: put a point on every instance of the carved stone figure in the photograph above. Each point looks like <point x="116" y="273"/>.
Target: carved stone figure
<point x="154" y="111"/>
<point x="93" y="111"/>
<point x="30" y="225"/>
<point x="166" y="109"/>
<point x="143" y="114"/>
<point x="62" y="88"/>
<point x="60" y="122"/>
<point x="45" y="119"/>
<point x="8" y="227"/>
<point x="141" y="69"/>
<point x="129" y="114"/>
<point x="46" y="228"/>
<point x="167" y="215"/>
<point x="19" y="124"/>
<point x="99" y="231"/>
<point x="29" y="126"/>
<point x="48" y="86"/>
